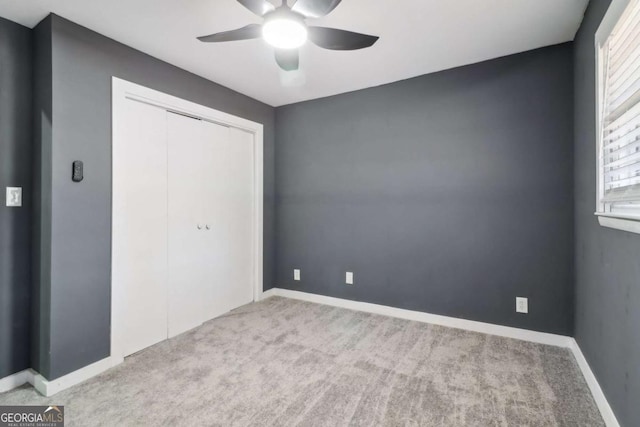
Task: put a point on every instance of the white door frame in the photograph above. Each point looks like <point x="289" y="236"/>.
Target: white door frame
<point x="123" y="90"/>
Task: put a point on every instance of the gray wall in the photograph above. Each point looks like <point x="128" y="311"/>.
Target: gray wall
<point x="15" y="171"/>
<point x="83" y="63"/>
<point x="607" y="261"/>
<point x="41" y="230"/>
<point x="450" y="193"/>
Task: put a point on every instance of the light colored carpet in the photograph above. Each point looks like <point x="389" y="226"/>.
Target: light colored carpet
<point x="283" y="362"/>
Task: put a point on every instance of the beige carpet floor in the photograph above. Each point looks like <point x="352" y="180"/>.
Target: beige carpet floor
<point x="283" y="362"/>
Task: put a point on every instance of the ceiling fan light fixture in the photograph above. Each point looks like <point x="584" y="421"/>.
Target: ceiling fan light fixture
<point x="286" y="30"/>
<point x="284" y="33"/>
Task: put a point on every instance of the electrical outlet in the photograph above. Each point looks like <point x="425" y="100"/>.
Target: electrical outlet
<point x="522" y="305"/>
<point x="296" y="275"/>
<point x="349" y="278"/>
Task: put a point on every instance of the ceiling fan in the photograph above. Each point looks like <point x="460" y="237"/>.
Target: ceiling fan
<point x="285" y="29"/>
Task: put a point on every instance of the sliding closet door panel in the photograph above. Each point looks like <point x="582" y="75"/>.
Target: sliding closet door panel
<point x="215" y="136"/>
<point x="187" y="223"/>
<point x="231" y="211"/>
<point x="140" y="237"/>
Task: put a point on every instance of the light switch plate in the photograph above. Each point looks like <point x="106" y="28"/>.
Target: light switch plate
<point x="14" y="197"/>
<point x="296" y="275"/>
<point x="522" y="305"/>
<point x="349" y="278"/>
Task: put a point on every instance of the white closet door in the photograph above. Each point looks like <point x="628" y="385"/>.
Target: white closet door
<point x="230" y="211"/>
<point x="215" y="136"/>
<point x="187" y="223"/>
<point x="140" y="234"/>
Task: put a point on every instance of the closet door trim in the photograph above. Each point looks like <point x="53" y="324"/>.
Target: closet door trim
<point x="122" y="91"/>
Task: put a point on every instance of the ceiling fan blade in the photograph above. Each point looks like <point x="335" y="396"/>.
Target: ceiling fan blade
<point x="315" y="8"/>
<point x="259" y="7"/>
<point x="287" y="59"/>
<point x="332" y="38"/>
<point x="251" y="31"/>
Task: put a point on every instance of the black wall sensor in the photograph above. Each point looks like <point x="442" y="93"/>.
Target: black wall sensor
<point x="77" y="173"/>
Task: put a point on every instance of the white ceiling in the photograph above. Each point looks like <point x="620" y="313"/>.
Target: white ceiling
<point x="416" y="37"/>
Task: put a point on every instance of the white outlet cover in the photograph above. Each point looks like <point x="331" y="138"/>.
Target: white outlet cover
<point x="522" y="305"/>
<point x="296" y="275"/>
<point x="14" y="197"/>
<point x="349" y="278"/>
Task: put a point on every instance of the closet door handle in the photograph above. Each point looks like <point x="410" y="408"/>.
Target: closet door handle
<point x="208" y="228"/>
<point x="199" y="227"/>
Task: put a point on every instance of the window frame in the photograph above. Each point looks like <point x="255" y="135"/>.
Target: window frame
<point x="628" y="221"/>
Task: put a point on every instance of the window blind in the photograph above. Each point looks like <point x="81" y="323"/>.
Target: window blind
<point x="621" y="109"/>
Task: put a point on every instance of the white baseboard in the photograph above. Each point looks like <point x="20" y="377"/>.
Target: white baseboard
<point x="16" y="380"/>
<point x="267" y="294"/>
<point x="598" y="395"/>
<point x="49" y="388"/>
<point x="435" y="319"/>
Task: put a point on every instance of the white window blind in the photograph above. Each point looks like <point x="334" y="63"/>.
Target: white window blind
<point x="620" y="144"/>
